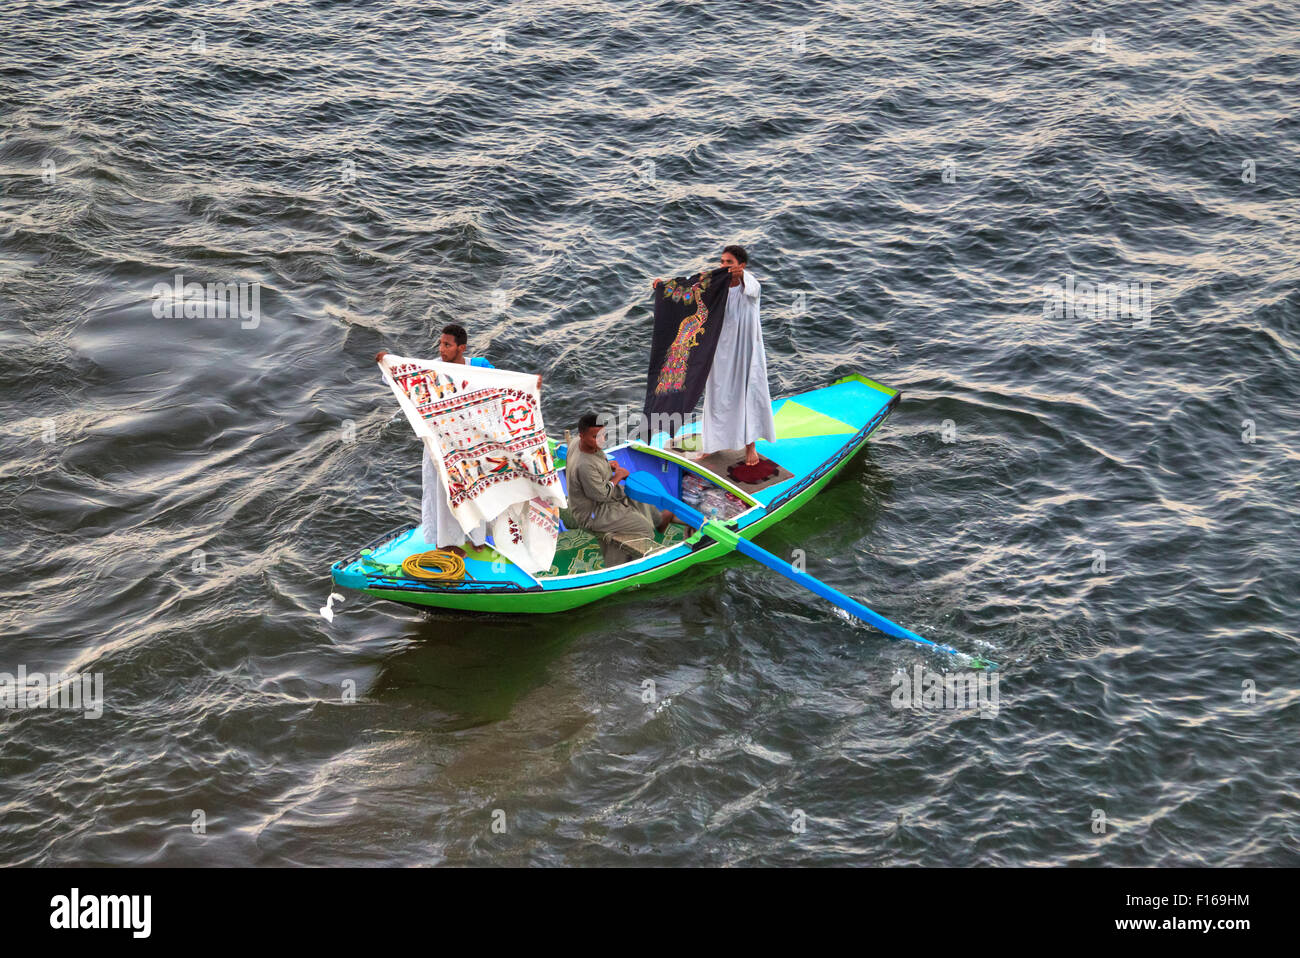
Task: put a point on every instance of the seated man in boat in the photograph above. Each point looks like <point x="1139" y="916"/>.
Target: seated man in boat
<point x="597" y="501"/>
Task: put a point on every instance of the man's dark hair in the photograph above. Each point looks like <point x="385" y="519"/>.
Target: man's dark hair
<point x="738" y="252"/>
<point x="457" y="332"/>
<point x="587" y="422"/>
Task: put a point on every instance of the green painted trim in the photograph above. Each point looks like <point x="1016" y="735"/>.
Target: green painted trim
<point x="559" y="600"/>
<point x="720" y="533"/>
<point x="543" y="601"/>
<point x="859" y="378"/>
<point x="686" y="464"/>
<point x="802" y="498"/>
<point x="562" y="600"/>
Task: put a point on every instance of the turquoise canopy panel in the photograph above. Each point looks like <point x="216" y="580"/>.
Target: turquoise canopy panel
<point x="812" y="428"/>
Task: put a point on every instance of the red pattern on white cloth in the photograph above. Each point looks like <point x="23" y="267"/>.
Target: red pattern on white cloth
<point x="484" y="431"/>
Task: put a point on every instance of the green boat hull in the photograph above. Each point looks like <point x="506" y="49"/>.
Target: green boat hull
<point x="528" y="595"/>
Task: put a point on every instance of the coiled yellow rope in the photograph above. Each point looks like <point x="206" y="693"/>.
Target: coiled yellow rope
<point x="436" y="564"/>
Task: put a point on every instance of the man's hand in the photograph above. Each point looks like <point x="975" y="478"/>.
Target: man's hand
<point x="539" y="382"/>
<point x="379" y="356"/>
<point x="619" y="472"/>
<point x="738" y="272"/>
<point x="656" y="284"/>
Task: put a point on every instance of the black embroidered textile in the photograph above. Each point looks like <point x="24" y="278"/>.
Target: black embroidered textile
<point x="688" y="318"/>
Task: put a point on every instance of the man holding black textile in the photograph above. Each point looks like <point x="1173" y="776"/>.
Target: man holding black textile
<point x="737" y="403"/>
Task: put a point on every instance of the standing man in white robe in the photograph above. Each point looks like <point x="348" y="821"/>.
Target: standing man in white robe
<point x="438" y="526"/>
<point x="737" y="403"/>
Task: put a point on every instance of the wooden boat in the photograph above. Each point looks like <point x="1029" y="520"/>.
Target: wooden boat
<point x="817" y="433"/>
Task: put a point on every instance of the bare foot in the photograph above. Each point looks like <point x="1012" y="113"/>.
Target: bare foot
<point x="753" y="459"/>
<point x="454" y="550"/>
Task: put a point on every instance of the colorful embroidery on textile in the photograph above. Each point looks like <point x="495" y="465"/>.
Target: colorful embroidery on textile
<point x="468" y="424"/>
<point x="545" y="515"/>
<point x="672" y="375"/>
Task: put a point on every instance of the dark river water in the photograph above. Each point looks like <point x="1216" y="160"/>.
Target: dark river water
<point x="1102" y="500"/>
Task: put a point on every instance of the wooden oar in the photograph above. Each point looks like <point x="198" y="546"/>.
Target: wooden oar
<point x="643" y="487"/>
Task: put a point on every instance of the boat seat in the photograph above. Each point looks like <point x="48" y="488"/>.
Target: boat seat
<point x="637" y="546"/>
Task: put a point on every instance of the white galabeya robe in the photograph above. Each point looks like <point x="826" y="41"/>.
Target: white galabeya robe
<point x="439" y="527"/>
<point x="737" y="404"/>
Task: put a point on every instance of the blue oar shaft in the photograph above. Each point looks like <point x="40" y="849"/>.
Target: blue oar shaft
<point x="645" y="488"/>
<point x="849" y="605"/>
